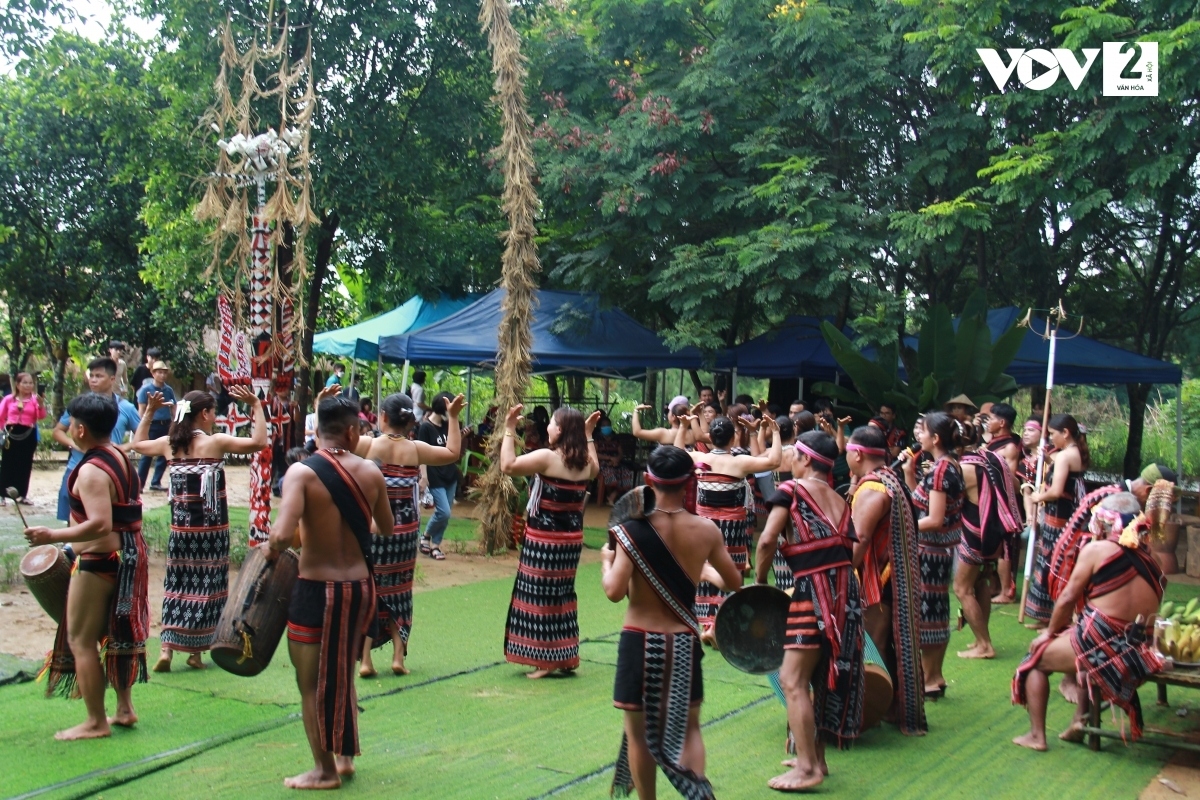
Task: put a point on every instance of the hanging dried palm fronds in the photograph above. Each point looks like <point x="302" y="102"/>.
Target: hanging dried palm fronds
<point x="519" y="262"/>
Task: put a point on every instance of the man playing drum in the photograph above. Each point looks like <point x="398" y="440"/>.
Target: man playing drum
<point x="656" y="564"/>
<point x="107" y="600"/>
<point x="824" y="642"/>
<point x="332" y="497"/>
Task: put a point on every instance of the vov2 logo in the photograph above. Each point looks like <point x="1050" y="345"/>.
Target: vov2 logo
<point x="1130" y="69"/>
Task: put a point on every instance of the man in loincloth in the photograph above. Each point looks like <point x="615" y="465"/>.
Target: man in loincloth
<point x="332" y="497"/>
<point x="887" y="559"/>
<point x="1117" y="587"/>
<point x="991" y="523"/>
<point x="824" y="645"/>
<point x="107" y="600"/>
<point x="1005" y="444"/>
<point x="656" y="564"/>
<point x="101" y="378"/>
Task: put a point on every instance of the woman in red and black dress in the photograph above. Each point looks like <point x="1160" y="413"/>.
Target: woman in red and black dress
<point x="938" y="498"/>
<point x="542" y="630"/>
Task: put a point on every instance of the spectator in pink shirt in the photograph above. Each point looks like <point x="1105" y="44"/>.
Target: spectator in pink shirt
<point x="19" y="415"/>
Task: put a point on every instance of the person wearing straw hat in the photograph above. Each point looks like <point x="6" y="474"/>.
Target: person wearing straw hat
<point x="160" y="422"/>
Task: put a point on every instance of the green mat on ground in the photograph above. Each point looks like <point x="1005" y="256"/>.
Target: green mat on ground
<point x="465" y="724"/>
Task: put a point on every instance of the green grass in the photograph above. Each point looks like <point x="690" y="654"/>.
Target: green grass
<point x="467" y="725"/>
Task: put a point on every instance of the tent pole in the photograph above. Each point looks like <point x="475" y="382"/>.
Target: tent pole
<point x="800" y="396"/>
<point x="681" y="380"/>
<point x="732" y="385"/>
<point x="470" y="375"/>
<point x="353" y="364"/>
<point x="378" y="381"/>
<point x="404" y="378"/>
<point x="1040" y="471"/>
<point x="1179" y="444"/>
<point x="606" y="395"/>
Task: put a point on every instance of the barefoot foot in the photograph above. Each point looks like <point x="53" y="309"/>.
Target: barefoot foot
<point x="344" y="765"/>
<point x="123" y="719"/>
<point x="978" y="651"/>
<point x="537" y="674"/>
<point x="399" y="669"/>
<point x="84" y="730"/>
<point x="367" y="671"/>
<point x="1074" y="733"/>
<point x="1030" y="741"/>
<point x="709" y="637"/>
<point x="314" y="779"/>
<point x="796" y="780"/>
<point x="1069" y="689"/>
<point x="164" y="662"/>
<point x="196" y="662"/>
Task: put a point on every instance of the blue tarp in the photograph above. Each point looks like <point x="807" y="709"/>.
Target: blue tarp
<point x="571" y="333"/>
<point x="362" y="340"/>
<point x="798" y="350"/>
<point x="1078" y="360"/>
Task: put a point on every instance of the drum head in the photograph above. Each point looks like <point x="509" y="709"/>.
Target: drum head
<point x="634" y="504"/>
<point x="751" y="627"/>
<point x="39" y="560"/>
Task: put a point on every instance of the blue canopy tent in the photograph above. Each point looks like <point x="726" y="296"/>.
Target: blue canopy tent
<point x="571" y="334"/>
<point x="361" y="341"/>
<point x="795" y="349"/>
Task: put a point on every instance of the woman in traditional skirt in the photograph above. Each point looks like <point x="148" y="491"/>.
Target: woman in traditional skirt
<point x="197" y="580"/>
<point x="787" y="436"/>
<point x="543" y="626"/>
<point x="938" y="498"/>
<point x="394" y="552"/>
<point x="721" y="492"/>
<point x="1058" y="500"/>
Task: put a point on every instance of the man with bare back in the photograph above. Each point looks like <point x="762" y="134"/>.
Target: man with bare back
<point x="332" y="498"/>
<point x="657" y="564"/>
<point x="1117" y="586"/>
<point x="107" y="602"/>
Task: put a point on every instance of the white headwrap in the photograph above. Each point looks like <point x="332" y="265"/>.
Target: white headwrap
<point x="182" y="409"/>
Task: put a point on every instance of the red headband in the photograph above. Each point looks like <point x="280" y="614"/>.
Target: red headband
<point x="688" y="481"/>
<point x="870" y="451"/>
<point x="820" y="459"/>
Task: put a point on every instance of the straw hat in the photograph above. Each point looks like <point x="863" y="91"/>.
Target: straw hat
<point x="961" y="400"/>
<point x="159" y="365"/>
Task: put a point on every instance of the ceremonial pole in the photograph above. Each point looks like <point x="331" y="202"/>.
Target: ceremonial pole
<point x="1052" y="326"/>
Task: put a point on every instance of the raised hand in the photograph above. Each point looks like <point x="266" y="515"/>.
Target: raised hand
<point x="38" y="535"/>
<point x="514" y="414"/>
<point x="845" y="420"/>
<point x="456" y="406"/>
<point x="589" y="424"/>
<point x="642" y="407"/>
<point x="245" y="394"/>
<point x="324" y="394"/>
<point x="154" y="401"/>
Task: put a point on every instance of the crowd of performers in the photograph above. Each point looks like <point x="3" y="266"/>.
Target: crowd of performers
<point x="737" y="494"/>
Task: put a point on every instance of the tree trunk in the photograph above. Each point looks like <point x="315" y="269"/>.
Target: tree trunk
<point x="58" y="402"/>
<point x="312" y="308"/>
<point x="555" y="394"/>
<point x="650" y="389"/>
<point x="575" y="386"/>
<point x="696" y="384"/>
<point x="1138" y="394"/>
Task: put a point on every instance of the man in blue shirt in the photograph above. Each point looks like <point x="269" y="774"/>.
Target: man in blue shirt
<point x="102" y="379"/>
<point x="336" y="378"/>
<point x="160" y="425"/>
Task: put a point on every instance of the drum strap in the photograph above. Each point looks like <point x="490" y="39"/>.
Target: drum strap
<point x="657" y="564"/>
<point x="347" y="496"/>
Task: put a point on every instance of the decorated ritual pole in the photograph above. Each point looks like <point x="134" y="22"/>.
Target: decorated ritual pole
<point x="1052" y="324"/>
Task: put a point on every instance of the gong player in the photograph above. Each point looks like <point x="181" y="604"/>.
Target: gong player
<point x="107" y="597"/>
<point x="824" y="642"/>
<point x="332" y="497"/>
<point x="657" y="564"/>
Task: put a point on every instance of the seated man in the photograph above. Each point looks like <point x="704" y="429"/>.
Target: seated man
<point x="332" y="497"/>
<point x="824" y="643"/>
<point x="657" y="563"/>
<point x="107" y="601"/>
<point x="1119" y="586"/>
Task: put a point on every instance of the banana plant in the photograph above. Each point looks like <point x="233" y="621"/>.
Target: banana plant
<point x="946" y="363"/>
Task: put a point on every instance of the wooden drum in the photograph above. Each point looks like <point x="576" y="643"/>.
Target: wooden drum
<point x="877" y="697"/>
<point x="47" y="574"/>
<point x="255" y="615"/>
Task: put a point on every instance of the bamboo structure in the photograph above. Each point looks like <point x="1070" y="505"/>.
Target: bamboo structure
<point x="519" y="263"/>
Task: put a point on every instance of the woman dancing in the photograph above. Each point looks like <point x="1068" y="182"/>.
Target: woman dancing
<point x="543" y="627"/>
<point x="197" y="580"/>
<point x="394" y="553"/>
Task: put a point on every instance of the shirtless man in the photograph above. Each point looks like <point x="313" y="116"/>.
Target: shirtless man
<point x="656" y="564"/>
<point x="106" y="534"/>
<point x="1122" y="586"/>
<point x="332" y="497"/>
